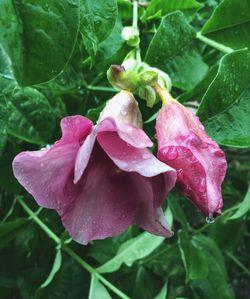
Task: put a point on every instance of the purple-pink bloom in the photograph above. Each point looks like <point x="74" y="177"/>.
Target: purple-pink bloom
<point x="100" y="178"/>
<point x="200" y="163"/>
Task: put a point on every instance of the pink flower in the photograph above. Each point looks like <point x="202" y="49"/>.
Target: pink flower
<point x="200" y="163"/>
<point x="100" y="178"/>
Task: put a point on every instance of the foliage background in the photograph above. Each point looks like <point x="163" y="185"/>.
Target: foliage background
<point x="53" y="61"/>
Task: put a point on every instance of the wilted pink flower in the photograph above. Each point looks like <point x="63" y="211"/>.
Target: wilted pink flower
<point x="100" y="178"/>
<point x="200" y="163"/>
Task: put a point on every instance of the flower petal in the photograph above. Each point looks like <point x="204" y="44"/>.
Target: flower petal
<point x="74" y="129"/>
<point x="153" y="192"/>
<point x="107" y="203"/>
<point x="131" y="135"/>
<point x="129" y="158"/>
<point x="45" y="173"/>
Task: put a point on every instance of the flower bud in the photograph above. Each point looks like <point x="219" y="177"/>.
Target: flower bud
<point x="131" y="35"/>
<point x="123" y="108"/>
<point x="147" y="93"/>
<point x="200" y="163"/>
<point x="119" y="77"/>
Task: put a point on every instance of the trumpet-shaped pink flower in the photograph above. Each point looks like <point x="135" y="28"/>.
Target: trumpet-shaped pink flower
<point x="200" y="163"/>
<point x="100" y="178"/>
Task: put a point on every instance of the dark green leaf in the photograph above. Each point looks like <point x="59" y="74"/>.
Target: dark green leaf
<point x="9" y="230"/>
<point x="159" y="8"/>
<point x="55" y="268"/>
<point x="31" y="33"/>
<point x="244" y="207"/>
<point x="172" y="50"/>
<point x="193" y="258"/>
<point x="230" y="24"/>
<point x="225" y="108"/>
<point x="69" y="283"/>
<point x="163" y="293"/>
<point x="177" y="211"/>
<point x="215" y="286"/>
<point x="30" y="116"/>
<point x="97" y="21"/>
<point x="198" y="91"/>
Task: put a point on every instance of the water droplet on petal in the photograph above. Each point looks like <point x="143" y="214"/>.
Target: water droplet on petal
<point x="172" y="153"/>
<point x="202" y="185"/>
<point x="146" y="156"/>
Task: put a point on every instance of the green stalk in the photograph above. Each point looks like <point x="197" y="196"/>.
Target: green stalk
<point x="101" y="88"/>
<point x="238" y="263"/>
<point x="70" y="252"/>
<point x="213" y="43"/>
<point x="135" y="25"/>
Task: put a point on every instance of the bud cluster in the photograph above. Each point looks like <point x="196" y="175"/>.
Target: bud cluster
<point x="139" y="78"/>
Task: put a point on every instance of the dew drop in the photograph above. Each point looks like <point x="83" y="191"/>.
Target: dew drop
<point x="171" y="153"/>
<point x="210" y="219"/>
<point x="145" y="156"/>
<point x="123" y="112"/>
<point x="202" y="185"/>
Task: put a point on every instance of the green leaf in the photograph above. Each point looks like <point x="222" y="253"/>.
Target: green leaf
<point x="193" y="258"/>
<point x="225" y="108"/>
<point x="97" y="21"/>
<point x="70" y="282"/>
<point x="198" y="91"/>
<point x="159" y="8"/>
<point x="230" y="24"/>
<point x="38" y="37"/>
<point x="7" y="80"/>
<point x="177" y="211"/>
<point x="215" y="285"/>
<point x="30" y="116"/>
<point x="9" y="230"/>
<point x="163" y="293"/>
<point x="55" y="268"/>
<point x="131" y="251"/>
<point x="3" y="126"/>
<point x="97" y="290"/>
<point x="244" y="207"/>
<point x="172" y="50"/>
<point x="111" y="48"/>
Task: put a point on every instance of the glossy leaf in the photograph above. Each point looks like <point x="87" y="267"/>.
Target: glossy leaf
<point x="31" y="34"/>
<point x="159" y="8"/>
<point x="230" y="29"/>
<point x="244" y="207"/>
<point x="215" y="285"/>
<point x="181" y="60"/>
<point x="30" y="116"/>
<point x="132" y="250"/>
<point x="55" y="268"/>
<point x="225" y="108"/>
<point x="97" y="290"/>
<point x="193" y="258"/>
<point x="69" y="283"/>
<point x="97" y="21"/>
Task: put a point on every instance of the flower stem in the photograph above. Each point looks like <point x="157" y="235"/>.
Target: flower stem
<point x="70" y="252"/>
<point x="164" y="95"/>
<point x="213" y="43"/>
<point x="101" y="88"/>
<point x="135" y="25"/>
<point x="135" y="14"/>
<point x="238" y="263"/>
